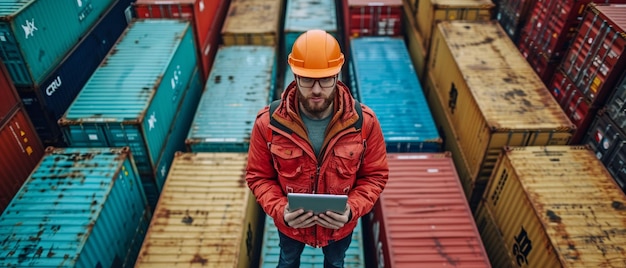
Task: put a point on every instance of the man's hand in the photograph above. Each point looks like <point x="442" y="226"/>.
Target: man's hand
<point x="334" y="220"/>
<point x="298" y="218"/>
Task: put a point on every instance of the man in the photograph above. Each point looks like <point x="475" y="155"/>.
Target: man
<point x="316" y="141"/>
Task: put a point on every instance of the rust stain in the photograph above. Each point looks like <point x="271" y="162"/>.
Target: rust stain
<point x="198" y="259"/>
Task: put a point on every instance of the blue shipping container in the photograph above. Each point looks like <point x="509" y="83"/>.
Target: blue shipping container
<point x="311" y="257"/>
<point x="81" y="207"/>
<point x="133" y="96"/>
<point x="46" y="102"/>
<point x="240" y="84"/>
<point x="386" y="81"/>
<point x="35" y="35"/>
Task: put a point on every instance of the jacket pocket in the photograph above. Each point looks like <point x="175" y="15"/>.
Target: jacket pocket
<point x="287" y="160"/>
<point x="347" y="159"/>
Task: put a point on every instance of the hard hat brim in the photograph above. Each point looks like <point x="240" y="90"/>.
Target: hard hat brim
<point x="315" y="73"/>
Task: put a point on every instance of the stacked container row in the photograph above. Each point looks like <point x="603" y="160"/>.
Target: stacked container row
<point x="422" y="219"/>
<point x="80" y="207"/>
<point x="484" y="95"/>
<point x="552" y="206"/>
<point x="253" y="22"/>
<point x="240" y="84"/>
<point x="386" y="82"/>
<point x="206" y="215"/>
<point x="47" y="99"/>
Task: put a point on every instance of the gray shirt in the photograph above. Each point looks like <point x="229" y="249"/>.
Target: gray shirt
<point x="316" y="128"/>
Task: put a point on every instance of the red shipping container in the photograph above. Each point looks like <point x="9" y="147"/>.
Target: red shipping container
<point x="9" y="99"/>
<point x="596" y="58"/>
<point x="204" y="14"/>
<point x="577" y="108"/>
<point x="20" y="151"/>
<point x="372" y="18"/>
<point x="422" y="218"/>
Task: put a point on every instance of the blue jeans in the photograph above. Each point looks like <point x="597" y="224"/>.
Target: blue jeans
<point x="290" y="251"/>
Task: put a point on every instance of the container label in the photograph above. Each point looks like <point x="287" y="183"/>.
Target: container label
<point x="29" y="28"/>
<point x="84" y="8"/>
<point x="151" y="121"/>
<point x="522" y="247"/>
<point x="56" y="83"/>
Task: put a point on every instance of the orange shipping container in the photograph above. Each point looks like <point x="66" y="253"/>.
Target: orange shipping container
<point x="422" y="218"/>
<point x="9" y="99"/>
<point x="20" y="151"/>
<point x="206" y="215"/>
<point x="485" y="95"/>
<point x="557" y="206"/>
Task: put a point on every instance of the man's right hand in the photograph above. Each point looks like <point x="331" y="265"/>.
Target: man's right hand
<point x="298" y="218"/>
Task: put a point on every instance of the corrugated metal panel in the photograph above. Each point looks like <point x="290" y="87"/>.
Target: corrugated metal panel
<point x="47" y="101"/>
<point x="484" y="96"/>
<point x="180" y="128"/>
<point x="608" y="142"/>
<point x="131" y="99"/>
<point x="311" y="257"/>
<point x="240" y="84"/>
<point x="9" y="99"/>
<point x="373" y="17"/>
<point x="422" y="218"/>
<point x="430" y="12"/>
<point x="81" y="207"/>
<point x="20" y="151"/>
<point x="36" y="35"/>
<point x="206" y="215"/>
<point x="303" y="15"/>
<point x="512" y="15"/>
<point x="616" y="105"/>
<point x="557" y="206"/>
<point x="253" y="22"/>
<point x="386" y="82"/>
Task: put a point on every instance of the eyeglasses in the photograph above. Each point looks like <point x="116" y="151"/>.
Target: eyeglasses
<point x="325" y="82"/>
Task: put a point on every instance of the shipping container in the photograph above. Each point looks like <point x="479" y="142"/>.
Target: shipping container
<point x="414" y="42"/>
<point x="597" y="59"/>
<point x="491" y="235"/>
<point x="204" y="15"/>
<point x="422" y="218"/>
<point x="80" y="207"/>
<point x="574" y="103"/>
<point x="616" y="104"/>
<point x="133" y="96"/>
<point x="608" y="142"/>
<point x="253" y="22"/>
<point x="20" y="151"/>
<point x="175" y="141"/>
<point x="557" y="206"/>
<point x="484" y="96"/>
<point x="512" y="15"/>
<point x="431" y="12"/>
<point x="206" y="216"/>
<point x="9" y="99"/>
<point x="386" y="82"/>
<point x="46" y="102"/>
<point x="35" y="35"/>
<point x="372" y="18"/>
<point x="239" y="86"/>
<point x="311" y="257"/>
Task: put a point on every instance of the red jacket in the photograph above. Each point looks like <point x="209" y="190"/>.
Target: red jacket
<point x="350" y="164"/>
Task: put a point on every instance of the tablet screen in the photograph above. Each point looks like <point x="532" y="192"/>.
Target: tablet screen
<point x="318" y="203"/>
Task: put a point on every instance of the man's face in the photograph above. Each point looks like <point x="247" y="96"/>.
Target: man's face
<point x="316" y="94"/>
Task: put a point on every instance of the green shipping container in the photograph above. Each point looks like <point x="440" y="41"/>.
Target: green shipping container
<point x="35" y="35"/>
<point x="132" y="98"/>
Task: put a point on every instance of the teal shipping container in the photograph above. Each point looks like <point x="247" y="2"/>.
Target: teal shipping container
<point x="80" y="207"/>
<point x="133" y="96"/>
<point x="180" y="128"/>
<point x="35" y="35"/>
<point x="240" y="84"/>
<point x="311" y="257"/>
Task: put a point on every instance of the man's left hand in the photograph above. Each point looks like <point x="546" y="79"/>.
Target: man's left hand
<point x="334" y="220"/>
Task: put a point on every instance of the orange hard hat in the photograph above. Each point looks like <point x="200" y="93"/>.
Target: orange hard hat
<point x="315" y="54"/>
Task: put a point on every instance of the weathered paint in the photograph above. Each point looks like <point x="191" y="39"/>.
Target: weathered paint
<point x="240" y="84"/>
<point x="422" y="218"/>
<point x="9" y="100"/>
<point x="557" y="206"/>
<point x="255" y="22"/>
<point x="206" y="216"/>
<point x="81" y="207"/>
<point x="386" y="81"/>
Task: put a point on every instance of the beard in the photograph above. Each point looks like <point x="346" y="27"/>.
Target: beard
<point x="316" y="109"/>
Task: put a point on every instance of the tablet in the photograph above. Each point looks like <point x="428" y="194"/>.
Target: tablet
<point x="318" y="203"/>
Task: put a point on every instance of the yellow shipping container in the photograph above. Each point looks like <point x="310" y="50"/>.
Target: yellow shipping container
<point x="492" y="238"/>
<point x="206" y="215"/>
<point x="431" y="12"/>
<point x="484" y="95"/>
<point x="252" y="22"/>
<point x="558" y="206"/>
<point x="414" y="41"/>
